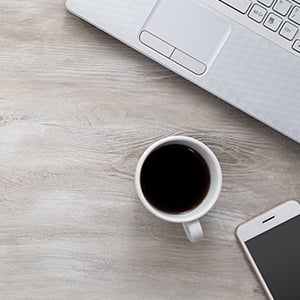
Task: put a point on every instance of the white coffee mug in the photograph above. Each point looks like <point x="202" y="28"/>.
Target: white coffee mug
<point x="189" y="219"/>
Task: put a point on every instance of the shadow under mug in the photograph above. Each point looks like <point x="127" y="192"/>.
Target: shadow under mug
<point x="189" y="219"/>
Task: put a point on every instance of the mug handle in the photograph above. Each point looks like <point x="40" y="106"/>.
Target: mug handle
<point x="193" y="231"/>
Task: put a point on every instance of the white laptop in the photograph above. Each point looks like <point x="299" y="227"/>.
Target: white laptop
<point x="246" y="52"/>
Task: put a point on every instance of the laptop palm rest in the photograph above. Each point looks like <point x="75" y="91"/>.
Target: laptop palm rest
<point x="185" y="32"/>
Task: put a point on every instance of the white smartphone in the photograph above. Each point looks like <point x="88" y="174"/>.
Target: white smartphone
<point x="271" y="242"/>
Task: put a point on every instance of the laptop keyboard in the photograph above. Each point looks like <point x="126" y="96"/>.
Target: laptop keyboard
<point x="280" y="17"/>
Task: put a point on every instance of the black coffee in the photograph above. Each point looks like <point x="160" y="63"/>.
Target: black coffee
<point x="175" y="179"/>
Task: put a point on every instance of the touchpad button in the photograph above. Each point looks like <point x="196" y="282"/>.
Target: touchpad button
<point x="188" y="62"/>
<point x="195" y="30"/>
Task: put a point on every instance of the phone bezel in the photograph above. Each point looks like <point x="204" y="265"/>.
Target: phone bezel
<point x="261" y="224"/>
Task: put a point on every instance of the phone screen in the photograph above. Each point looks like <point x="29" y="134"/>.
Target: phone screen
<point x="276" y="253"/>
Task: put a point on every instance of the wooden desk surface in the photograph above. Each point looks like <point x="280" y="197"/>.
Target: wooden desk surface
<point x="77" y="109"/>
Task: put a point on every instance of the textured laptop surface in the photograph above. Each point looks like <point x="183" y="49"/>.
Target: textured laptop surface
<point x="248" y="72"/>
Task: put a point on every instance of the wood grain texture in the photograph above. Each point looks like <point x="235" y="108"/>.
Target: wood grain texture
<point x="77" y="109"/>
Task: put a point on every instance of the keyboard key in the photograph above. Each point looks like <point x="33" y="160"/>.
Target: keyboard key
<point x="296" y="46"/>
<point x="273" y="22"/>
<point x="240" y="5"/>
<point x="257" y="13"/>
<point x="288" y="31"/>
<point x="267" y="2"/>
<point x="283" y="6"/>
<point x="295" y="15"/>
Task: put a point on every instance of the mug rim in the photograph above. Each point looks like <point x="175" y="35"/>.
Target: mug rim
<point x="190" y="215"/>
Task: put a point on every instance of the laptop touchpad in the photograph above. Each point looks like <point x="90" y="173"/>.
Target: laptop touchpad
<point x="186" y="32"/>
